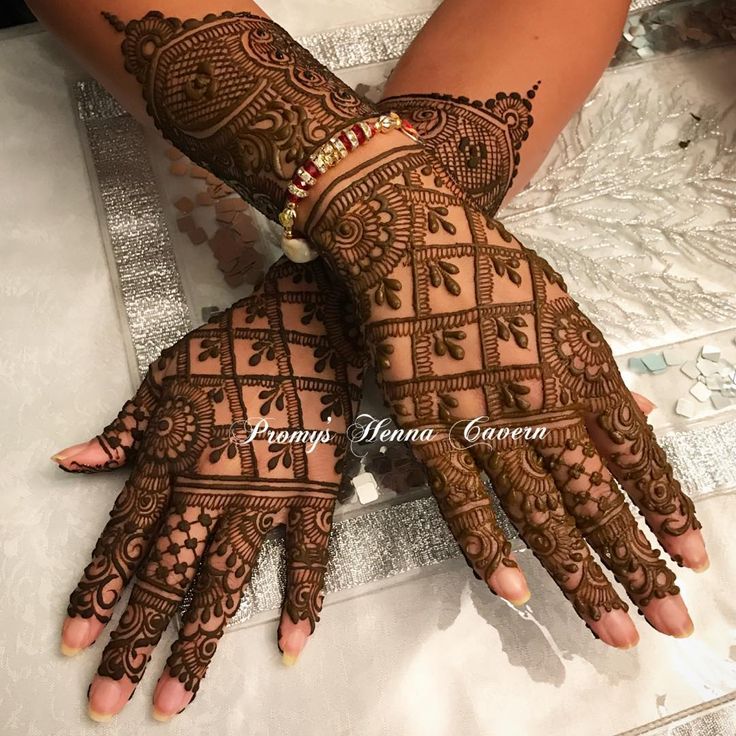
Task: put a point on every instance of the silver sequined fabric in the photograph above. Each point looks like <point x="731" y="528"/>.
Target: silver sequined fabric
<point x="152" y="293"/>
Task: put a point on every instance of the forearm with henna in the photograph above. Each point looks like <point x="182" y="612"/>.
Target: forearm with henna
<point x="476" y="326"/>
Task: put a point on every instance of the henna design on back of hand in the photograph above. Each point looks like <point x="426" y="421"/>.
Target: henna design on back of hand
<point x="522" y="354"/>
<point x="461" y="320"/>
<point x="239" y="95"/>
<point x="201" y="499"/>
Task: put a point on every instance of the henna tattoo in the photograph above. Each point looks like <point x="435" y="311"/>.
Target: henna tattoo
<point x="460" y="318"/>
<point x="534" y="505"/>
<point x="502" y="340"/>
<point x="200" y="494"/>
<point x="478" y="142"/>
<point x="239" y="95"/>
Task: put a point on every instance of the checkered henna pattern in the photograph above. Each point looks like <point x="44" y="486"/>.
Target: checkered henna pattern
<point x="461" y="320"/>
<point x="200" y="499"/>
<point x="479" y="326"/>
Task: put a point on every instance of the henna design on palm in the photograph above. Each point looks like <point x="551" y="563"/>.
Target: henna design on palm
<point x="200" y="500"/>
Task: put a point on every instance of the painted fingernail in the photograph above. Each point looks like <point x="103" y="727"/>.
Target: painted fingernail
<point x="57" y="458"/>
<point x="74" y="635"/>
<point x="107" y="697"/>
<point x="289" y="660"/>
<point x="170" y="698"/>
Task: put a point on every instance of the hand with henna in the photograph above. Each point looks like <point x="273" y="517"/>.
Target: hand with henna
<point x="462" y="320"/>
<point x="201" y="496"/>
<point x="479" y="326"/>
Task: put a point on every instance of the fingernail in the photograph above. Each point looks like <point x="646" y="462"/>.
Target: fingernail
<point x="509" y="583"/>
<point x="617" y="629"/>
<point x="685" y="634"/>
<point x="171" y="697"/>
<point x="99" y="717"/>
<point x="702" y="567"/>
<point x="107" y="697"/>
<point x="74" y="634"/>
<point x="647" y="406"/>
<point x="69" y="651"/>
<point x="521" y="601"/>
<point x="68" y="452"/>
<point x="671" y="617"/>
<point x="162" y="717"/>
<point x="292" y="644"/>
<point x="691" y="547"/>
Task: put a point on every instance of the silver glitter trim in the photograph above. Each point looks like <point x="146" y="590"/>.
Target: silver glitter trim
<point x="364" y="549"/>
<point x="644" y="4"/>
<point x="370" y="43"/>
<point x="713" y="718"/>
<point x="698" y="459"/>
<point x="654" y="28"/>
<point x="151" y="290"/>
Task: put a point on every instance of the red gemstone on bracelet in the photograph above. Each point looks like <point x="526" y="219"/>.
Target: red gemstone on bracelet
<point x="292" y="198"/>
<point x="298" y="183"/>
<point x="345" y="141"/>
<point x="311" y="169"/>
<point x="359" y="134"/>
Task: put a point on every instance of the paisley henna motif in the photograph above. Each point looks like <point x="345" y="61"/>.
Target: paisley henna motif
<point x="462" y="321"/>
<point x="478" y="142"/>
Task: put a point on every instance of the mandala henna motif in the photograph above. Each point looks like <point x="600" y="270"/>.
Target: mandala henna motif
<point x="461" y="319"/>
<point x="577" y="352"/>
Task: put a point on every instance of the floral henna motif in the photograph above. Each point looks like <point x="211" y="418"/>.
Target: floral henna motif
<point x="425" y="265"/>
<point x="641" y="466"/>
<point x="534" y="505"/>
<point x="553" y="368"/>
<point x="478" y="142"/>
<point x="238" y="95"/>
<point x="463" y="501"/>
<point x="204" y="492"/>
<point x="600" y="511"/>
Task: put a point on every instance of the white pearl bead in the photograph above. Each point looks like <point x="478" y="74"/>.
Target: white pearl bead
<point x="298" y="250"/>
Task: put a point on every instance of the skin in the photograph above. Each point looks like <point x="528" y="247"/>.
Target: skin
<point x="96" y="48"/>
<point x="474" y="48"/>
